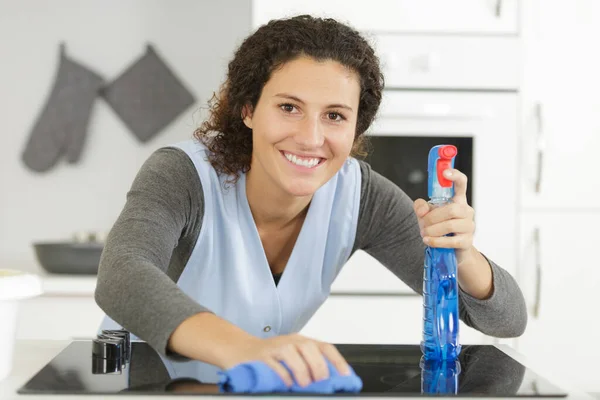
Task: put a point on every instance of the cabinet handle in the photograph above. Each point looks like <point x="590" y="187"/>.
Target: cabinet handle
<point x="540" y="147"/>
<point x="538" y="272"/>
<point x="498" y="8"/>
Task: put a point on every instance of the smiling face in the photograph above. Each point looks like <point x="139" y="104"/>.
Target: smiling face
<point x="303" y="125"/>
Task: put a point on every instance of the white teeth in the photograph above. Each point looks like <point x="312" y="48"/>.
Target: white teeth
<point x="304" y="162"/>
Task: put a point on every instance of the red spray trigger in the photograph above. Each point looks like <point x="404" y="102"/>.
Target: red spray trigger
<point x="444" y="162"/>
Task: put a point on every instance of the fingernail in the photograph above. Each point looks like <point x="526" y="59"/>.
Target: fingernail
<point x="422" y="233"/>
<point x="426" y="240"/>
<point x="448" y="173"/>
<point x="422" y="210"/>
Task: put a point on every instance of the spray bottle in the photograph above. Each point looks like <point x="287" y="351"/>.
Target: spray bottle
<point x="440" y="284"/>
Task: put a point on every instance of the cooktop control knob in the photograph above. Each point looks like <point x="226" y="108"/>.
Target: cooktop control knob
<point x="110" y="348"/>
<point x="107" y="355"/>
<point x="111" y="351"/>
<point x="123" y="334"/>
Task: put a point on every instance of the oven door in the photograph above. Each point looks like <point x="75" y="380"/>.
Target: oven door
<point x="483" y="125"/>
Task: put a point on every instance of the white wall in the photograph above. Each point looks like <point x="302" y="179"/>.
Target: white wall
<point x="196" y="39"/>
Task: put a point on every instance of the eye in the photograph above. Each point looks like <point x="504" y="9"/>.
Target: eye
<point x="287" y="107"/>
<point x="336" y="117"/>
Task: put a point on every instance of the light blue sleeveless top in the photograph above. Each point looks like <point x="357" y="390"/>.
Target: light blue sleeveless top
<point x="228" y="272"/>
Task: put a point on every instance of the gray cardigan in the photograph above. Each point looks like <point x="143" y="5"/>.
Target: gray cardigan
<point x="152" y="239"/>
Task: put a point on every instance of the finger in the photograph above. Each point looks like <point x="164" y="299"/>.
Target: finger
<point x="447" y="212"/>
<point x="280" y="370"/>
<point x="296" y="364"/>
<point x="421" y="207"/>
<point x="315" y="360"/>
<point x="460" y="185"/>
<point x="462" y="241"/>
<point x="456" y="226"/>
<point x="334" y="356"/>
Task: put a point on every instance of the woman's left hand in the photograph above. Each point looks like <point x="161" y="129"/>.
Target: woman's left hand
<point x="474" y="271"/>
<point x="456" y="217"/>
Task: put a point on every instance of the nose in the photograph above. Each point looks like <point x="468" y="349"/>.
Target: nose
<point x="310" y="133"/>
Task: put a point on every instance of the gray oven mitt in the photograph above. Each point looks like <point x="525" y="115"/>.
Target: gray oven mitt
<point x="61" y="126"/>
<point x="147" y="96"/>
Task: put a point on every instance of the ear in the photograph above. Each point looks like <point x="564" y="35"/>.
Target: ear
<point x="247" y="115"/>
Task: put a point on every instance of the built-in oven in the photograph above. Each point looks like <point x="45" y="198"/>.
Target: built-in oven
<point x="483" y="126"/>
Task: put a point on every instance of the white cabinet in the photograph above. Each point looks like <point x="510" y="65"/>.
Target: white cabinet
<point x="424" y="16"/>
<point x="377" y="319"/>
<point x="560" y="278"/>
<point x="561" y="123"/>
<point x="560" y="197"/>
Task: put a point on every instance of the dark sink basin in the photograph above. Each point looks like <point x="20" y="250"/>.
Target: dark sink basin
<point x="69" y="257"/>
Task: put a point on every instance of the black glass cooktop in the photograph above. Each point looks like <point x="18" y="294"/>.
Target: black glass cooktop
<point x="386" y="370"/>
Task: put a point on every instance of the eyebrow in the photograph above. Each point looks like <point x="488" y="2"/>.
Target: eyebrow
<point x="292" y="97"/>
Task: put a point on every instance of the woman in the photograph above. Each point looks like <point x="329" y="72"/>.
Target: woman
<point x="229" y="242"/>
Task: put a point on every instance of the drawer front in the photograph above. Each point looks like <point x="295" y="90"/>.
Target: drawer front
<point x="439" y="16"/>
<point x="449" y="62"/>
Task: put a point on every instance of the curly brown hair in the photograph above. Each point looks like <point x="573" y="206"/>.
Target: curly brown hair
<point x="228" y="139"/>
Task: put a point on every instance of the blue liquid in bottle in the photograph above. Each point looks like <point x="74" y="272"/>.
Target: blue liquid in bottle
<point x="440" y="283"/>
<point x="440" y="305"/>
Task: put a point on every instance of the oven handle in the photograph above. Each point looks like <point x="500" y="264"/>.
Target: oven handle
<point x="437" y="111"/>
<point x="540" y="147"/>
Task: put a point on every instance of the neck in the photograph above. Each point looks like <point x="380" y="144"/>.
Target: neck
<point x="270" y="206"/>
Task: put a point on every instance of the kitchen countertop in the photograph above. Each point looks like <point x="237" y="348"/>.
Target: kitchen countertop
<point x="31" y="356"/>
<point x="68" y="285"/>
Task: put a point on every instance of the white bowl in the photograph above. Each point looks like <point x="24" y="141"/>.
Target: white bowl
<point x="14" y="286"/>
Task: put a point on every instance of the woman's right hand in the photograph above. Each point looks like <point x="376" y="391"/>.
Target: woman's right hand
<point x="305" y="357"/>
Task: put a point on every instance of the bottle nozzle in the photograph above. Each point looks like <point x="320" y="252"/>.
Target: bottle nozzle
<point x="441" y="158"/>
<point x="446" y="153"/>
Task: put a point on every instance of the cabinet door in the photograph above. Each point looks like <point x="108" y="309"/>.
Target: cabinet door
<point x="377" y="320"/>
<point x="561" y="123"/>
<point x="439" y="16"/>
<point x="560" y="277"/>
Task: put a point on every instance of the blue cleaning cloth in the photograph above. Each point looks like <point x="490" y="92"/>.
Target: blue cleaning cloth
<point x="258" y="377"/>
